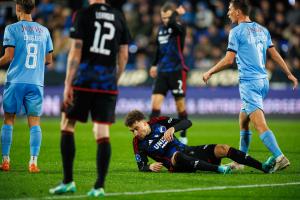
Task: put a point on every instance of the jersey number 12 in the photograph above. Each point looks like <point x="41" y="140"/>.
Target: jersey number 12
<point x="99" y="42"/>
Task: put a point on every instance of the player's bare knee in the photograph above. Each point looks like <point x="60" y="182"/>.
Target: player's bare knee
<point x="221" y="150"/>
<point x="101" y="131"/>
<point x="173" y="159"/>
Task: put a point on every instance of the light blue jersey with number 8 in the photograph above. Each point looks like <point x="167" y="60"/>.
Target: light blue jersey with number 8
<point x="32" y="42"/>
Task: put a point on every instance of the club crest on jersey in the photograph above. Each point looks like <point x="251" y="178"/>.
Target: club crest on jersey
<point x="162" y="129"/>
<point x="138" y="157"/>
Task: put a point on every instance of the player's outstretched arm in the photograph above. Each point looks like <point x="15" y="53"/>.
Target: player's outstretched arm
<point x="8" y="56"/>
<point x="222" y="64"/>
<point x="279" y="60"/>
<point x="122" y="60"/>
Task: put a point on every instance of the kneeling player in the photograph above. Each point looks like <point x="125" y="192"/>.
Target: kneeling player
<point x="156" y="139"/>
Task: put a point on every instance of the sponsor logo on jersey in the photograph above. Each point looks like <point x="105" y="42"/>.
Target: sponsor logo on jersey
<point x="161" y="143"/>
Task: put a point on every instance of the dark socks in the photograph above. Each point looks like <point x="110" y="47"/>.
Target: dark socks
<point x="182" y="115"/>
<point x="103" y="158"/>
<point x="67" y="147"/>
<point x="183" y="160"/>
<point x="154" y="113"/>
<point x="240" y="157"/>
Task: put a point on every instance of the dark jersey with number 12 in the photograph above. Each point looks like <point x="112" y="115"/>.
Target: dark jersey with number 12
<point x="102" y="29"/>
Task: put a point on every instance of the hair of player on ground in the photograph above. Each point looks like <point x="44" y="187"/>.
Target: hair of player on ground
<point x="134" y="116"/>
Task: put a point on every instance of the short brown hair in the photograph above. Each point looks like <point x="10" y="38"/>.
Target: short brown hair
<point x="26" y="5"/>
<point x="134" y="116"/>
<point x="242" y="5"/>
<point x="168" y="6"/>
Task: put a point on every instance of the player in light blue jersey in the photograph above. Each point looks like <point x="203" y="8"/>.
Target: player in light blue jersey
<point x="248" y="43"/>
<point x="28" y="47"/>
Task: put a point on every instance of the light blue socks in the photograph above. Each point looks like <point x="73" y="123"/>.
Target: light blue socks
<point x="268" y="138"/>
<point x="6" y="139"/>
<point x="35" y="140"/>
<point x="245" y="139"/>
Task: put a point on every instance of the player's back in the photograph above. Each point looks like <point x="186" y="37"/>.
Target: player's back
<point x="252" y="41"/>
<point x="31" y="42"/>
<point x="102" y="30"/>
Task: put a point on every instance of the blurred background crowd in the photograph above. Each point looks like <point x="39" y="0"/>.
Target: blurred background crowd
<point x="207" y="30"/>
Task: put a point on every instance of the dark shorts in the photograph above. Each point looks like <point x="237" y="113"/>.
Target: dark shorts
<point x="101" y="106"/>
<point x="203" y="152"/>
<point x="174" y="81"/>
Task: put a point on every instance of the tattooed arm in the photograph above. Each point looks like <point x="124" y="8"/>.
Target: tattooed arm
<point x="74" y="58"/>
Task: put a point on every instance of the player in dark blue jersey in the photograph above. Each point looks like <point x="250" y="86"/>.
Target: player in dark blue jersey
<point x="155" y="139"/>
<point x="97" y="58"/>
<point x="169" y="67"/>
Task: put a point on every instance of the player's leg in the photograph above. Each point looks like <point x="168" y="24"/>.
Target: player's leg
<point x="6" y="139"/>
<point x="32" y="101"/>
<point x="177" y="81"/>
<point x="67" y="148"/>
<point x="12" y="102"/>
<point x="269" y="140"/>
<point x="35" y="142"/>
<point x="185" y="163"/>
<point x="103" y="115"/>
<point x="254" y="109"/>
<point x="159" y="92"/>
<point x="223" y="150"/>
<point x="156" y="103"/>
<point x="78" y="111"/>
<point x="206" y="154"/>
<point x="245" y="138"/>
<point x="245" y="133"/>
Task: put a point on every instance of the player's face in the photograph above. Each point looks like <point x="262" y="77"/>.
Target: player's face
<point x="232" y="13"/>
<point x="165" y="16"/>
<point x="140" y="129"/>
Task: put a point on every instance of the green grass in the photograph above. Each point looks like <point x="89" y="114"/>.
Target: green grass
<point x="124" y="177"/>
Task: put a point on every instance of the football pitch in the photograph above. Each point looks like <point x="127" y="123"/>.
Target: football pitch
<point x="124" y="181"/>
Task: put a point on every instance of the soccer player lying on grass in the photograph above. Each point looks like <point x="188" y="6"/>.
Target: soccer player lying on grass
<point x="156" y="139"/>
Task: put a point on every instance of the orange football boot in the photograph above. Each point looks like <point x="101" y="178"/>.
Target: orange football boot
<point x="33" y="168"/>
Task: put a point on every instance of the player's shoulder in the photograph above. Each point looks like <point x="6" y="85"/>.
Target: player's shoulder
<point x="155" y="120"/>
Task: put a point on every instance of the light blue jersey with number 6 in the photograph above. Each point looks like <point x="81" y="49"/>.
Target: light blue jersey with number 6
<point x="250" y="42"/>
<point x="32" y="42"/>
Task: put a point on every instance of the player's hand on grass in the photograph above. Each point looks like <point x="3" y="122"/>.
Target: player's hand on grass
<point x="68" y="96"/>
<point x="169" y="134"/>
<point x="180" y="10"/>
<point x="292" y="78"/>
<point x="206" y="77"/>
<point x="156" y="167"/>
<point x="153" y="71"/>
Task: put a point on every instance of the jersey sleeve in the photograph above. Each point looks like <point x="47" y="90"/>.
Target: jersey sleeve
<point x="156" y="56"/>
<point x="269" y="40"/>
<point x="9" y="38"/>
<point x="168" y="122"/>
<point x="49" y="44"/>
<point x="77" y="29"/>
<point x="140" y="157"/>
<point x="233" y="44"/>
<point x="178" y="28"/>
<point x="125" y="34"/>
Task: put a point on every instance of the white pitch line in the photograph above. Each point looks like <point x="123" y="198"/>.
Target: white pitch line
<point x="161" y="191"/>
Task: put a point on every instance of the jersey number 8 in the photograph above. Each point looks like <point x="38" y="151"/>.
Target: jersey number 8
<point x="96" y="48"/>
<point x="31" y="58"/>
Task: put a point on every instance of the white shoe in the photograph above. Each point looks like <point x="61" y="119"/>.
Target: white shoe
<point x="183" y="140"/>
<point x="281" y="163"/>
<point x="236" y="166"/>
